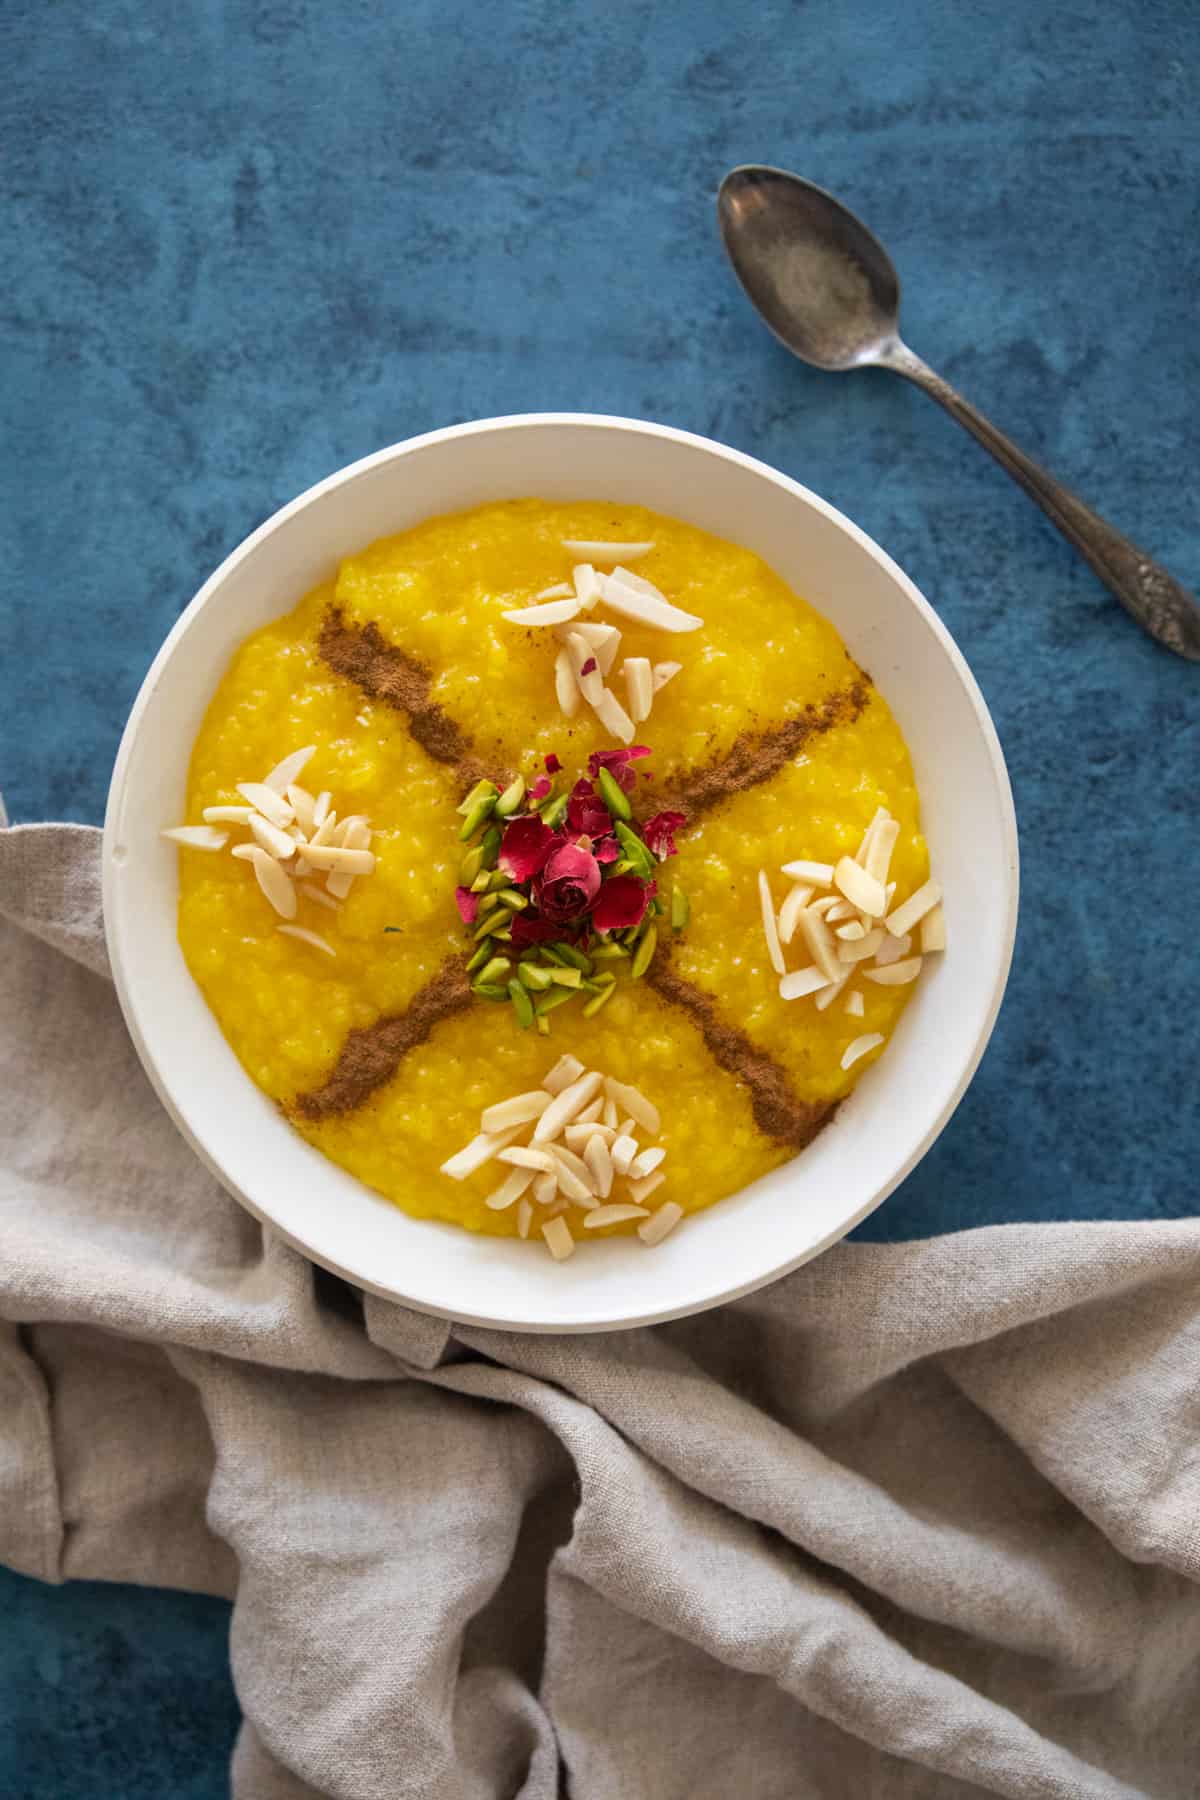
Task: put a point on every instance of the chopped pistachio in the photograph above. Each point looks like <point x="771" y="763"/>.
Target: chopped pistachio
<point x="598" y="1000"/>
<point x="482" y="790"/>
<point x="497" y="879"/>
<point x="490" y="845"/>
<point x="543" y="1025"/>
<point x="643" y="860"/>
<point x="480" y="956"/>
<point x="489" y="990"/>
<point x="534" y="977"/>
<point x="470" y="865"/>
<point x="568" y="978"/>
<point x="645" y="950"/>
<point x="495" y="921"/>
<point x="521" y="1004"/>
<point x="624" y="867"/>
<point x="481" y="810"/>
<point x="481" y="882"/>
<point x="514" y="901"/>
<point x="610" y="952"/>
<point x="555" y="810"/>
<point x="681" y="910"/>
<point x="612" y="796"/>
<point x="495" y="970"/>
<point x="487" y="903"/>
<point x="558" y="996"/>
<point x="574" y="958"/>
<point x="551" y="954"/>
<point x="511" y="798"/>
<point x="657" y="907"/>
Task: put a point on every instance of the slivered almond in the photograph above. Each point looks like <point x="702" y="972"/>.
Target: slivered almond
<point x="325" y="831"/>
<point x="579" y="1135"/>
<point x="586" y="585"/>
<point x="861" y="889"/>
<point x="620" y="1214"/>
<point x="265" y="800"/>
<point x="820" y="943"/>
<point x="524" y="1218"/>
<point x="860" y="855"/>
<point x="664" y="672"/>
<point x="817" y="874"/>
<point x="854" y="1004"/>
<point x="570" y="1159"/>
<point x="196" y="837"/>
<point x="866" y="947"/>
<point x="591" y="685"/>
<point x="892" y="949"/>
<point x="565" y="1105"/>
<point x="290" y="769"/>
<point x="664" y="1219"/>
<point x="572" y="1185"/>
<point x="829" y="994"/>
<point x="613" y="717"/>
<point x="225" y="815"/>
<point x="634" y="1103"/>
<point x="355" y="834"/>
<point x="933" y="930"/>
<point x="623" y="1151"/>
<point x="551" y="612"/>
<point x="638" y="583"/>
<point x="645" y="609"/>
<point x="566" y="1070"/>
<point x="770" y="929"/>
<point x="841" y="909"/>
<point x="639" y="686"/>
<point x="827" y="905"/>
<point x="602" y="550"/>
<point x="803" y="982"/>
<point x="275" y="842"/>
<point x="522" y="1156"/>
<point x="897" y="974"/>
<point x="862" y="1046"/>
<point x="559" y="1241"/>
<point x="558" y="590"/>
<point x="640" y="1191"/>
<point x="647" y="1162"/>
<point x="789" y="913"/>
<point x="591" y="1114"/>
<point x="605" y="640"/>
<point x="312" y="938"/>
<point x="517" y="1111"/>
<point x="480" y="1150"/>
<point x="321" y="805"/>
<point x="914" y="909"/>
<point x="879" y="850"/>
<point x="345" y="862"/>
<point x="545" y="1187"/>
<point x="610" y="1114"/>
<point x="301" y="803"/>
<point x="273" y="881"/>
<point x="851" y="933"/>
<point x="510" y="1190"/>
<point x="600" y="1165"/>
<point x="566" y="688"/>
<point x="312" y="892"/>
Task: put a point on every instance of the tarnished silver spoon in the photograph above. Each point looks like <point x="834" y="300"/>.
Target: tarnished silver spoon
<point x="828" y="290"/>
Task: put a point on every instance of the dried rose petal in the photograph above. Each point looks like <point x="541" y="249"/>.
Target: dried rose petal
<point x="617" y="763"/>
<point x="659" y="832"/>
<point x="529" y="929"/>
<point x="552" y="764"/>
<point x="606" y="850"/>
<point x="527" y="843"/>
<point x="468" y="904"/>
<point x="622" y="901"/>
<point x="586" y="811"/>
<point x="568" y="884"/>
<point x="540" y="788"/>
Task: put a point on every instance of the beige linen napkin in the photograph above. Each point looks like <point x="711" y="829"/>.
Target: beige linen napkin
<point x="921" y="1520"/>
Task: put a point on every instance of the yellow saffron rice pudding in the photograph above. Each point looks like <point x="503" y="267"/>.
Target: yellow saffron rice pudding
<point x="555" y="869"/>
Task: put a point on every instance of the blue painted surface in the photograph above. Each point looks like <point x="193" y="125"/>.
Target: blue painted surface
<point x="252" y="242"/>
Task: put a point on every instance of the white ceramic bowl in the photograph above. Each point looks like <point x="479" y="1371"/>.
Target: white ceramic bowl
<point x="897" y="1109"/>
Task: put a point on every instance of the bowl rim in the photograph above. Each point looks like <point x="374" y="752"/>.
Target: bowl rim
<point x="718" y="1294"/>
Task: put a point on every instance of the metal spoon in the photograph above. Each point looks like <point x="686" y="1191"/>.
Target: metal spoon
<point x="829" y="291"/>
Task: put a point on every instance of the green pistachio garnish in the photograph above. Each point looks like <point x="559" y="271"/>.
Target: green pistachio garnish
<point x="568" y="978"/>
<point x="490" y="990"/>
<point x="612" y="795"/>
<point x="522" y="1005"/>
<point x="481" y="810"/>
<point x="645" y="950"/>
<point x="574" y="958"/>
<point x="491" y="845"/>
<point x="681" y="910"/>
<point x="495" y="970"/>
<point x="480" y="956"/>
<point x="511" y="798"/>
<point x="557" y="996"/>
<point x="495" y="921"/>
<point x="514" y="901"/>
<point x="643" y="860"/>
<point x="598" y="1000"/>
<point x="553" y="813"/>
<point x="610" y="952"/>
<point x="482" y="790"/>
<point x="470" y="865"/>
<point x="534" y="977"/>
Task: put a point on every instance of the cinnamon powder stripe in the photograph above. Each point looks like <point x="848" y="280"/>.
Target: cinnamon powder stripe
<point x="371" y="1054"/>
<point x="779" y="1112"/>
<point x="756" y="756"/>
<point x="383" y="671"/>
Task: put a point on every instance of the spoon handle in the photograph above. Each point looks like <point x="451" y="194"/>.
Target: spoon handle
<point x="1153" y="597"/>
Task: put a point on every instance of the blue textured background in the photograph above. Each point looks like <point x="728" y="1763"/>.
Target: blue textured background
<point x="252" y="242"/>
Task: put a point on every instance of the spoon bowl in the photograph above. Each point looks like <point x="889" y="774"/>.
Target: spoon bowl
<point x="828" y="290"/>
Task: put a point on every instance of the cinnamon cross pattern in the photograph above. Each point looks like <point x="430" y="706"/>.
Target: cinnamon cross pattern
<point x="371" y="1056"/>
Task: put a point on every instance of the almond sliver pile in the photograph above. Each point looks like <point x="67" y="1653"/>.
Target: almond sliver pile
<point x="588" y="647"/>
<point x="573" y="1142"/>
<point x="846" y="917"/>
<point x="295" y="839"/>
